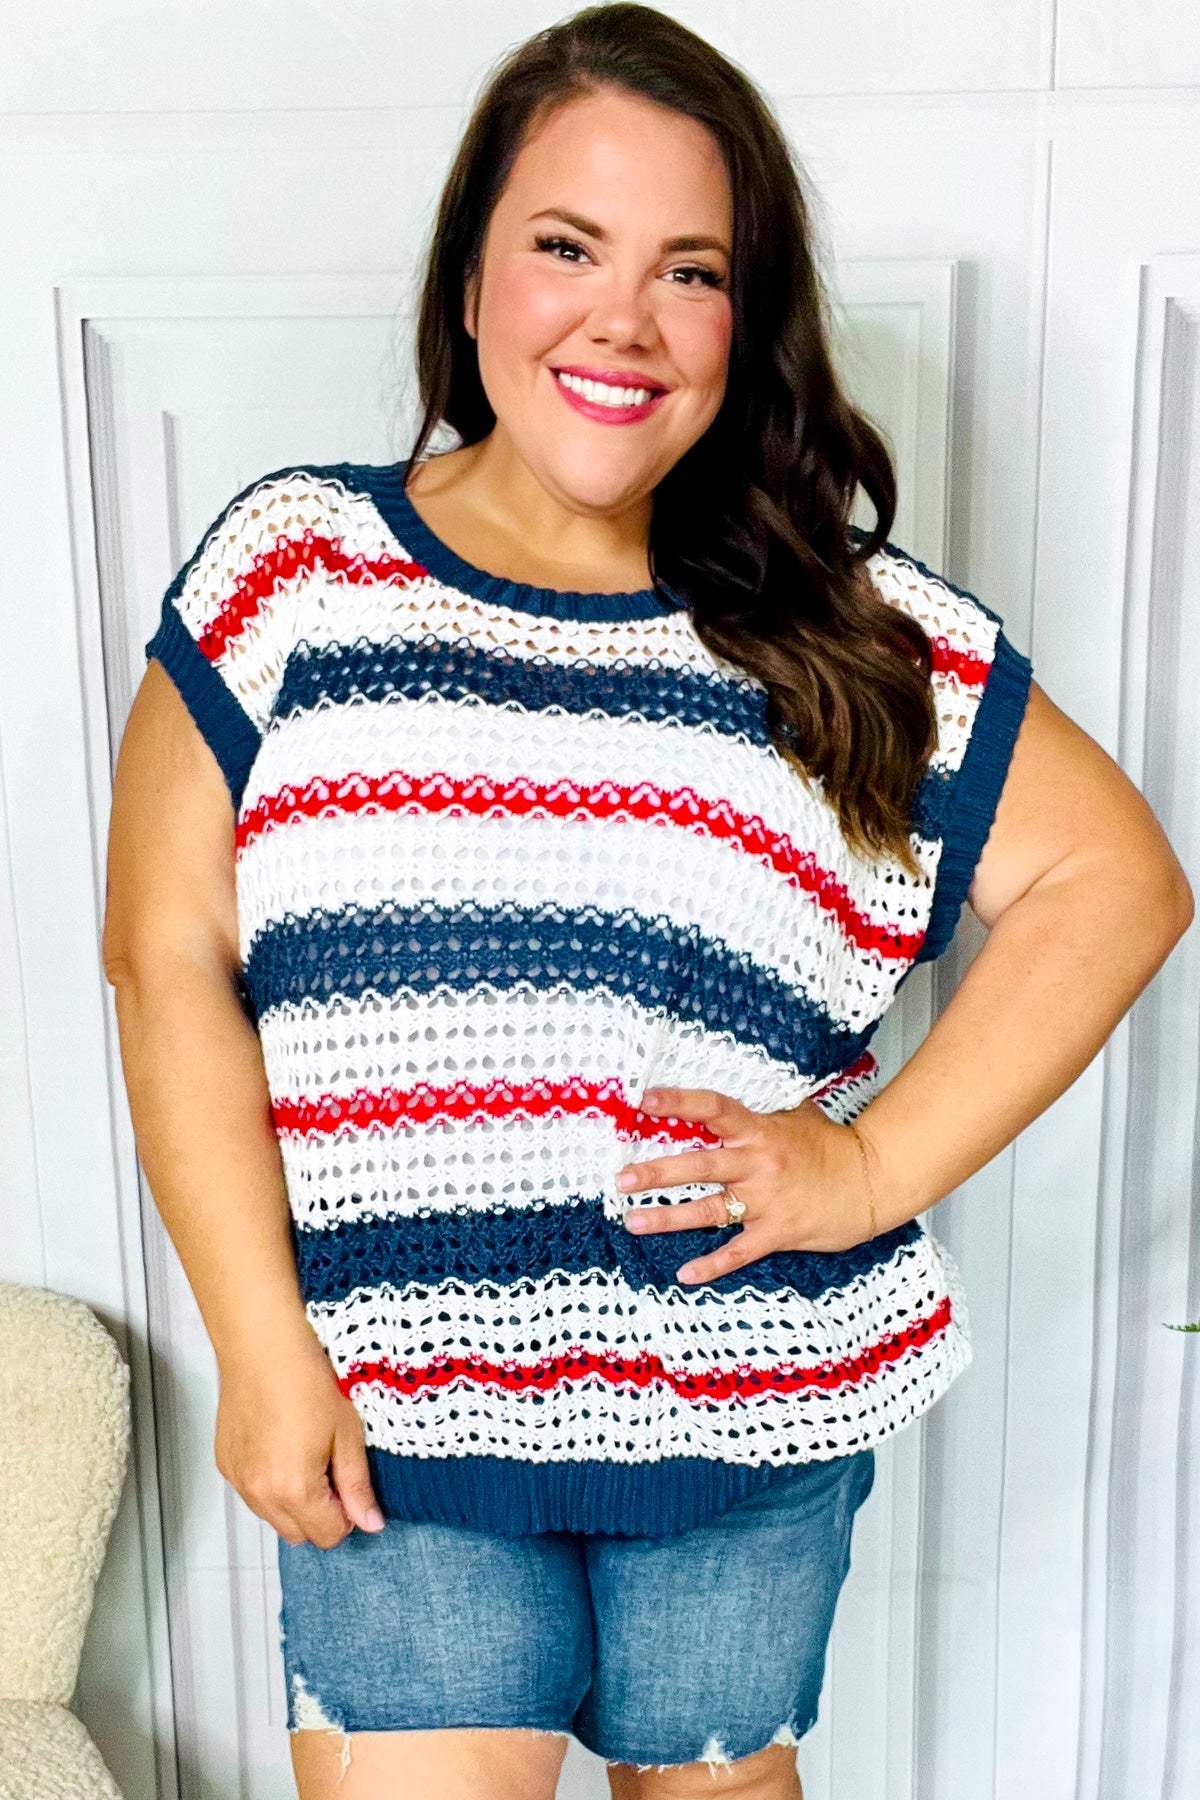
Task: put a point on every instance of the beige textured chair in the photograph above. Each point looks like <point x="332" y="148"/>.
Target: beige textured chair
<point x="64" y="1442"/>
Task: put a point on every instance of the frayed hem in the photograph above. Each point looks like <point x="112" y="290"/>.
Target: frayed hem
<point x="309" y="1715"/>
<point x="714" y="1755"/>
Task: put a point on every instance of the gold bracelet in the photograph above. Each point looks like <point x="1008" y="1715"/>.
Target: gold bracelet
<point x="862" y="1151"/>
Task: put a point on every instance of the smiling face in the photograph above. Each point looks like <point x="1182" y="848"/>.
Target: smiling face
<point x="602" y="311"/>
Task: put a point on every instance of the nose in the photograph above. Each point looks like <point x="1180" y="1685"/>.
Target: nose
<point x="622" y="313"/>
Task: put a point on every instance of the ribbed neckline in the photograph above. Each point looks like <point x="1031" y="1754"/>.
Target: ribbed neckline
<point x="447" y="566"/>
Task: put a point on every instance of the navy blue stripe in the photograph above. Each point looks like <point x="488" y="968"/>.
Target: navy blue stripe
<point x="513" y="1244"/>
<point x="339" y="673"/>
<point x="977" y="790"/>
<point x="408" y="949"/>
<point x="229" y="732"/>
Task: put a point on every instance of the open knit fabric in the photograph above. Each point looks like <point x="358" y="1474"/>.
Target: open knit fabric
<point x="507" y="856"/>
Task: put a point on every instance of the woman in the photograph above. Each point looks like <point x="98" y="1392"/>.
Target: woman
<point x="473" y="795"/>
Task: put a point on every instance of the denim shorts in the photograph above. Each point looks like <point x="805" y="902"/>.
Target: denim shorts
<point x="702" y="1647"/>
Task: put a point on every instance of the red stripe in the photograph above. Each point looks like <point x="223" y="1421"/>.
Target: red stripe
<point x="865" y="1064"/>
<point x="500" y="1099"/>
<point x="284" y="561"/>
<point x="479" y="796"/>
<point x="948" y="659"/>
<point x="647" y="1370"/>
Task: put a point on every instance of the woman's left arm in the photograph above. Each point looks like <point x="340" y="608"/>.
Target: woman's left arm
<point x="1084" y="900"/>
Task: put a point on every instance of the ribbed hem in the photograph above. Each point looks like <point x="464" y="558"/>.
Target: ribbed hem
<point x="229" y="732"/>
<point x="517" y="1499"/>
<point x="977" y="790"/>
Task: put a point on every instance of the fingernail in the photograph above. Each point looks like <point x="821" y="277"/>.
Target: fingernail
<point x="375" y="1519"/>
<point x="687" y="1273"/>
<point x="650" y="1097"/>
<point x="634" y="1221"/>
<point x="626" y="1178"/>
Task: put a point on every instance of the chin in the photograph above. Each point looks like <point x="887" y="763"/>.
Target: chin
<point x="596" y="478"/>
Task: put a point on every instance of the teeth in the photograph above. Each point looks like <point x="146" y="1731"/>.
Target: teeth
<point x="603" y="395"/>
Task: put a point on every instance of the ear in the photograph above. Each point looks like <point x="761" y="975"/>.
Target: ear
<point x="471" y="302"/>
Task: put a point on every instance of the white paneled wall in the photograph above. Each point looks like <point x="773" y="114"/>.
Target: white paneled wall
<point x="210" y="220"/>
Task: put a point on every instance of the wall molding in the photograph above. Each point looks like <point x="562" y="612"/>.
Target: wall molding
<point x="1152" y="1589"/>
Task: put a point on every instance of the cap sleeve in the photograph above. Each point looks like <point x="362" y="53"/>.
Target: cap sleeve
<point x="981" y="687"/>
<point x="228" y="618"/>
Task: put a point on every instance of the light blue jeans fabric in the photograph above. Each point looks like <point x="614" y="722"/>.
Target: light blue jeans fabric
<point x="706" y="1646"/>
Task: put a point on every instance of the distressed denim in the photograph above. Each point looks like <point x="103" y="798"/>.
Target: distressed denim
<point x="702" y="1647"/>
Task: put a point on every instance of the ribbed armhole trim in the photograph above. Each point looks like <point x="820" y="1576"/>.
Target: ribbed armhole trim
<point x="977" y="790"/>
<point x="229" y="732"/>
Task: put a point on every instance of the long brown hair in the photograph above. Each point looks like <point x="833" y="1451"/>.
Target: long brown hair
<point x="752" y="525"/>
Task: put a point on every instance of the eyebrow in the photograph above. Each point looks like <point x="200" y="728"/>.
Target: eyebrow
<point x="591" y="229"/>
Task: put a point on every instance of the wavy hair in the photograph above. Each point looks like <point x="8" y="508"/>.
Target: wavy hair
<point x="751" y="526"/>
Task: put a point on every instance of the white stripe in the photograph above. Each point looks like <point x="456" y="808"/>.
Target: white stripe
<point x="930" y="599"/>
<point x="592" y="1419"/>
<point x="963" y="625"/>
<point x="688" y="1328"/>
<point x="275" y="511"/>
<point x="956" y="703"/>
<point x="440" y="736"/>
<point x="608" y="868"/>
<point x="478" y="1164"/>
<point x="441" y="1038"/>
<point x="251" y="664"/>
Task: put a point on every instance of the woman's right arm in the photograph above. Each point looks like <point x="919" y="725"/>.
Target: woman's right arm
<point x="200" y="1106"/>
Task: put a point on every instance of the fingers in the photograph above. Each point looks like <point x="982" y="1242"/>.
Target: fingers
<point x="683" y="1215"/>
<point x="321" y="1517"/>
<point x="352" y="1476"/>
<point x="745" y="1246"/>
<point x="721" y="1112"/>
<point x="299" y="1508"/>
<point x="684" y="1165"/>
<point x="286" y="1527"/>
<point x="290" y="1443"/>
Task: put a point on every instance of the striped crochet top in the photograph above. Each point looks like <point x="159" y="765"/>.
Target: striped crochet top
<point x="506" y="856"/>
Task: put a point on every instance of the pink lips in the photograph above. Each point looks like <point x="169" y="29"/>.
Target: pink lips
<point x="609" y="415"/>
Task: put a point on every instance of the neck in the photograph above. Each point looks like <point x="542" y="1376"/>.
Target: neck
<point x="517" y="506"/>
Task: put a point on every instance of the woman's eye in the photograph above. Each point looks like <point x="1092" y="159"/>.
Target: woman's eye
<point x="559" y="243"/>
<point x="707" y="277"/>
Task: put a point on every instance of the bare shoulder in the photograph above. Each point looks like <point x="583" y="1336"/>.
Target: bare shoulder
<point x="161" y="745"/>
<point x="171" y="834"/>
<point x="1064" y="797"/>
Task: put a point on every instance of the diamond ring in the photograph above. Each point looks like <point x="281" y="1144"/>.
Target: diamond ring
<point x="735" y="1209"/>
